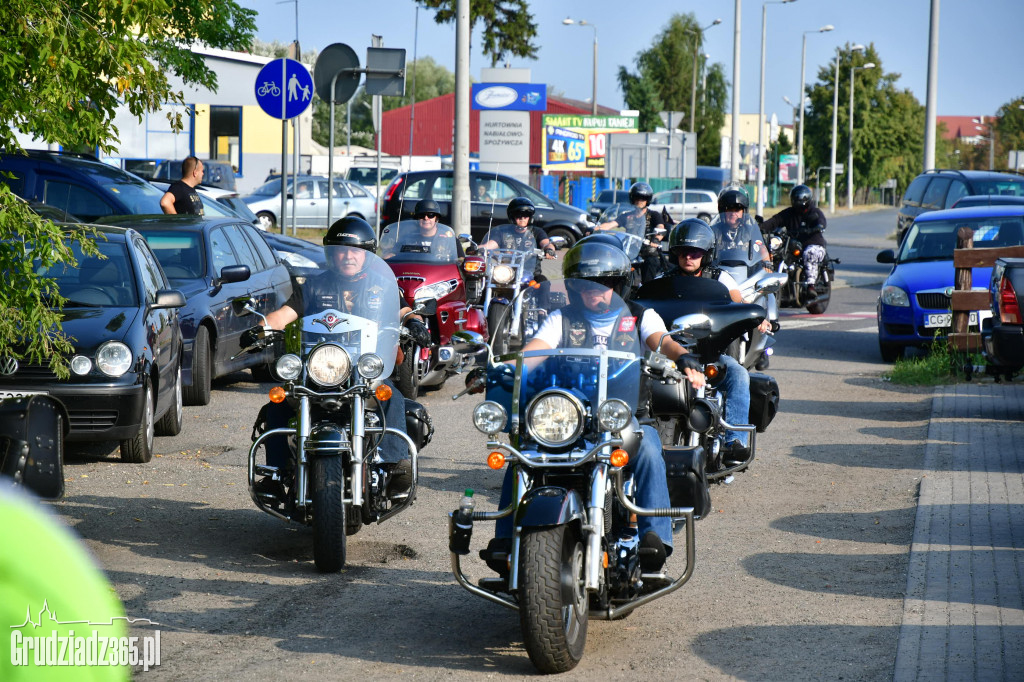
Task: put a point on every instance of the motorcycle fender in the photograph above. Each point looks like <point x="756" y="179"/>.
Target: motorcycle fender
<point x="327" y="440"/>
<point x="549" y="506"/>
<point x="475" y="321"/>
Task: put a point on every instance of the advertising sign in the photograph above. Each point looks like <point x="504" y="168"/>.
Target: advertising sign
<point x="788" y="168"/>
<point x="576" y="142"/>
<point x="510" y="96"/>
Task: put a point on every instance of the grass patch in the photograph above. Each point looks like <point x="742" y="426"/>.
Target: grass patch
<point x="942" y="365"/>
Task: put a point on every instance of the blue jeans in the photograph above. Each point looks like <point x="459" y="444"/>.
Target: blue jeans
<point x="736" y="387"/>
<point x="650" y="483"/>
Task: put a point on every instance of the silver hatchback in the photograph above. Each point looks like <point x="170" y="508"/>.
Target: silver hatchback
<point x="699" y="203"/>
<point x="310" y="202"/>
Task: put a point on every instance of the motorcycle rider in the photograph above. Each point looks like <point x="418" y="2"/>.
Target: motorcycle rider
<point x="804" y="222"/>
<point x="640" y="195"/>
<point x="431" y="238"/>
<point x="520" y="235"/>
<point x="344" y="286"/>
<point x="595" y="271"/>
<point x="734" y="228"/>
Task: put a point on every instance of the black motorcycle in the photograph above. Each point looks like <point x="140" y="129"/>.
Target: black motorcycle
<point x="787" y="258"/>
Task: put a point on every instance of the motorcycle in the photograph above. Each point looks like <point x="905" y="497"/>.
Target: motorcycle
<point x="787" y="258"/>
<point x="634" y="240"/>
<point x="572" y="552"/>
<point x="744" y="264"/>
<point x="429" y="269"/>
<point x="333" y="373"/>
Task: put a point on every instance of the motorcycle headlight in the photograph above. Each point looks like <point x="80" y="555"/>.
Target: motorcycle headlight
<point x="370" y="365"/>
<point x="437" y="290"/>
<point x="895" y="296"/>
<point x="328" y="364"/>
<point x="114" y="358"/>
<point x="503" y="274"/>
<point x="555" y="418"/>
<point x="614" y="415"/>
<point x="288" y="367"/>
<point x="775" y="242"/>
<point x="489" y="417"/>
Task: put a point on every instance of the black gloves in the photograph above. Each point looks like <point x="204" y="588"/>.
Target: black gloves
<point x="688" y="361"/>
<point x="419" y="333"/>
<point x="253" y="336"/>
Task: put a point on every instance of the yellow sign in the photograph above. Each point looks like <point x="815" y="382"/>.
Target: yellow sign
<point x="575" y="142"/>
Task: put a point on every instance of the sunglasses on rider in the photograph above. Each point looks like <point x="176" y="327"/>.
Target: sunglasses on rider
<point x="597" y="286"/>
<point x="691" y="252"/>
<point x="432" y="216"/>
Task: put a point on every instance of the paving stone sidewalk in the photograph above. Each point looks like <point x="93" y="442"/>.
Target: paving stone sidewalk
<point x="963" y="616"/>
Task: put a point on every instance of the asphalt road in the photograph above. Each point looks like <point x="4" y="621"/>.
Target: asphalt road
<point x="800" y="569"/>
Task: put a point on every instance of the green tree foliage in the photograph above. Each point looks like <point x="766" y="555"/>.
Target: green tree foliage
<point x="1009" y="130"/>
<point x="66" y="69"/>
<point x="509" y="28"/>
<point x="641" y="94"/>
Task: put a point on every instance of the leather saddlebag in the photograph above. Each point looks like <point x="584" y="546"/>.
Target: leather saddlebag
<point x="418" y="424"/>
<point x="687" y="479"/>
<point x="764" y="400"/>
<point x="32" y="431"/>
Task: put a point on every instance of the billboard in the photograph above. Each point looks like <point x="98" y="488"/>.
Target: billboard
<point x="788" y="168"/>
<point x="510" y="96"/>
<point x="577" y="142"/>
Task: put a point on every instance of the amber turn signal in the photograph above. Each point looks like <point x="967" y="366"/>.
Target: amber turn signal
<point x="383" y="392"/>
<point x="533" y="284"/>
<point x="619" y="458"/>
<point x="711" y="371"/>
<point x="496" y="460"/>
<point x="277" y="394"/>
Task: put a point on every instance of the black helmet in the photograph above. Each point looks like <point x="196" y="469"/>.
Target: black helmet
<point x="731" y="198"/>
<point x="424" y="206"/>
<point x="641" y="190"/>
<point x="693" y="233"/>
<point x="801" y="198"/>
<point x="351" y="231"/>
<point x="519" y="207"/>
<point x="597" y="260"/>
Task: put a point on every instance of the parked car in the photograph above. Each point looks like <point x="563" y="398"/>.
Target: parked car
<point x="914" y="303"/>
<point x="213" y="262"/>
<point x="486" y="209"/>
<point x="604" y="199"/>
<point x="302" y="258"/>
<point x="310" y="205"/>
<point x="121" y="315"/>
<point x="699" y="203"/>
<point x="366" y="177"/>
<point x="1002" y="335"/>
<point x="939" y="189"/>
<point x="78" y="184"/>
<point x="217" y="173"/>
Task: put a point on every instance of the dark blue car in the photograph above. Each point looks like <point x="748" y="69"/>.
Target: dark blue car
<point x="121" y="315"/>
<point x="915" y="301"/>
<point x="214" y="262"/>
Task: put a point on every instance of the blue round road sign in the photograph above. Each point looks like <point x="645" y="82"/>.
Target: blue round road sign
<point x="284" y="88"/>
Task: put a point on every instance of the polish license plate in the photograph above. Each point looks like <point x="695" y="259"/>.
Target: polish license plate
<point x="18" y="393"/>
<point x="937" y="320"/>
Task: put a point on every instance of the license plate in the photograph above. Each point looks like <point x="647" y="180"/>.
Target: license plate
<point x="18" y="393"/>
<point x="937" y="320"/>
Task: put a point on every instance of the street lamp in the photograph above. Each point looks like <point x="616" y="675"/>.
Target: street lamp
<point x="849" y="168"/>
<point x="698" y="34"/>
<point x="583" y="22"/>
<point x="991" y="140"/>
<point x="803" y="67"/>
<point x="760" y="111"/>
<point x="835" y="122"/>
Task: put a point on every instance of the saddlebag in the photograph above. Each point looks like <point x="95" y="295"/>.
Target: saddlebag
<point x="418" y="424"/>
<point x="32" y="431"/>
<point x="687" y="479"/>
<point x="764" y="400"/>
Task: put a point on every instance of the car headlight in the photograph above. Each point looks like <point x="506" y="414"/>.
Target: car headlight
<point x="489" y="417"/>
<point x="503" y="274"/>
<point x="297" y="260"/>
<point x="81" y="365"/>
<point x="614" y="415"/>
<point x="114" y="358"/>
<point x="895" y="296"/>
<point x="370" y="365"/>
<point x="288" y="367"/>
<point x="555" y="418"/>
<point x="436" y="290"/>
<point x="583" y="217"/>
<point x="328" y="364"/>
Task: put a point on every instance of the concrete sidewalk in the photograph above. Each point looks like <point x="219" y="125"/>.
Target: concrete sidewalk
<point x="963" y="615"/>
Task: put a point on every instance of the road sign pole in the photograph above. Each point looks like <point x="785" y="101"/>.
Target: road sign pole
<point x="330" y="153"/>
<point x="284" y="145"/>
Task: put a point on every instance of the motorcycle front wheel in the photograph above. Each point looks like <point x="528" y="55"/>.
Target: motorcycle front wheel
<point x="823" y="287"/>
<point x="328" y="487"/>
<point x="553" y="602"/>
<point x="497" y="327"/>
<point x="405" y="378"/>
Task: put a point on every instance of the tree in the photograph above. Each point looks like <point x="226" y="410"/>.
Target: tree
<point x="509" y="28"/>
<point x="66" y="69"/>
<point x="1010" y="130"/>
<point x="642" y="95"/>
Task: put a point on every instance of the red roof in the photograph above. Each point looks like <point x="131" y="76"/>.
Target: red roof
<point x="963" y="126"/>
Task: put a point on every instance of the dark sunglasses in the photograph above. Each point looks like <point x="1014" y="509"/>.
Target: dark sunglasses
<point x="429" y="215"/>
<point x="692" y="252"/>
<point x="600" y="285"/>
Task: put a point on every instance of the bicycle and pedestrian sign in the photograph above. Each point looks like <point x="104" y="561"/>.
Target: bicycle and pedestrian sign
<point x="284" y="88"/>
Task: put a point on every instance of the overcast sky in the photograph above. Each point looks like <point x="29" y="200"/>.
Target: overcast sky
<point x="980" y="43"/>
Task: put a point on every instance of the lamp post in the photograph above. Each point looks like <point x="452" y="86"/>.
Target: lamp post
<point x="991" y="140"/>
<point x="583" y="22"/>
<point x="698" y="35"/>
<point x="835" y="122"/>
<point x="849" y="168"/>
<point x="803" y="67"/>
<point x="760" y="111"/>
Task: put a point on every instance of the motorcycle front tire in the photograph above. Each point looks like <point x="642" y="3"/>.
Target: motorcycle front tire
<point x="553" y="599"/>
<point x="823" y="287"/>
<point x="497" y="327"/>
<point x="328" y="488"/>
<point x="405" y="377"/>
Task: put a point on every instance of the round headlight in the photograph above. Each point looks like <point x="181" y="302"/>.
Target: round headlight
<point x="114" y="358"/>
<point x="328" y="364"/>
<point x="489" y="417"/>
<point x="554" y="418"/>
<point x="503" y="274"/>
<point x="370" y="365"/>
<point x="614" y="415"/>
<point x="81" y="365"/>
<point x="288" y="367"/>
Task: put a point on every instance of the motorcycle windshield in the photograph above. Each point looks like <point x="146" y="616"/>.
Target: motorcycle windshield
<point x="355" y="303"/>
<point x="588" y="351"/>
<point x="419" y="241"/>
<point x="628" y="225"/>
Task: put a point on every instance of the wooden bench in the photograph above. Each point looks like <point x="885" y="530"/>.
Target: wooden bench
<point x="965" y="257"/>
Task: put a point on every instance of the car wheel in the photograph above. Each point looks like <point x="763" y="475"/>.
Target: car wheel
<point x="170" y="423"/>
<point x="267" y="220"/>
<point x="139" y="448"/>
<point x="891" y="352"/>
<point x="565" y="234"/>
<point x="199" y="392"/>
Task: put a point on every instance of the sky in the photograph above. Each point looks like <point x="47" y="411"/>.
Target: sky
<point x="979" y="62"/>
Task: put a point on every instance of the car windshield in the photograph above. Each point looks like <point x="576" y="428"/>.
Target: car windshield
<point x="407" y="241"/>
<point x="271" y="188"/>
<point x="181" y="254"/>
<point x="104" y="281"/>
<point x="936" y="239"/>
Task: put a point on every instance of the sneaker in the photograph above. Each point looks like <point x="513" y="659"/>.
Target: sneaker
<point x="762" y="363"/>
<point x="652" y="553"/>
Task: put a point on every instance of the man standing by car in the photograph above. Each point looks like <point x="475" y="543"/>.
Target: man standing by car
<point x="181" y="196"/>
